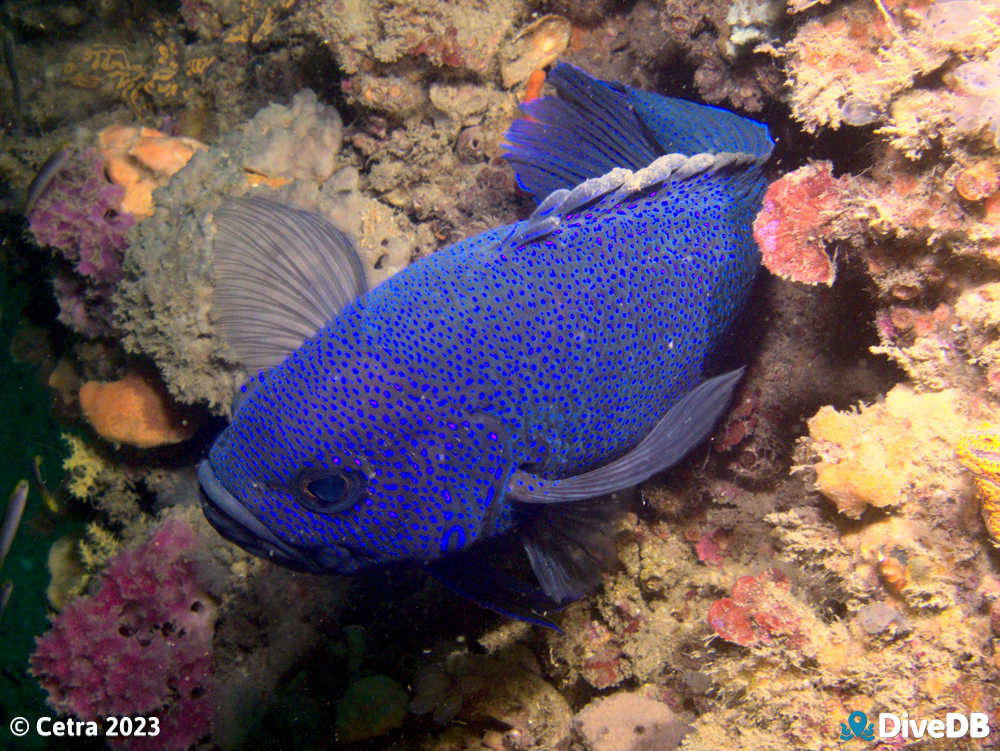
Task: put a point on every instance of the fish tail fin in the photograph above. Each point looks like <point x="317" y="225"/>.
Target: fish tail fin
<point x="689" y="128"/>
<point x="569" y="545"/>
<point x="594" y="126"/>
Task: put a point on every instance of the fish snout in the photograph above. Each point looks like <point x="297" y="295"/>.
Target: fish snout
<point x="238" y="524"/>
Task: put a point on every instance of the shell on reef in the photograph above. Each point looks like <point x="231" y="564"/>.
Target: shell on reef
<point x="977" y="182"/>
<point x="534" y="47"/>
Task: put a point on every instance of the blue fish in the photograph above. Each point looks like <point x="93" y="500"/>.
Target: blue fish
<point x="496" y="388"/>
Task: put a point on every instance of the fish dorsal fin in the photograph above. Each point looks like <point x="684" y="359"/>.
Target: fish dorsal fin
<point x="281" y="274"/>
<point x="686" y="424"/>
<point x="602" y="195"/>
<point x="691" y="128"/>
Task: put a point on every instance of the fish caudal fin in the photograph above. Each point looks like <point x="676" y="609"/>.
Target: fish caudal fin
<point x="686" y="424"/>
<point x="281" y="275"/>
<point x="595" y="126"/>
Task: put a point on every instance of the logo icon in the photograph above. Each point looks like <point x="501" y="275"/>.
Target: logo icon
<point x="857" y="726"/>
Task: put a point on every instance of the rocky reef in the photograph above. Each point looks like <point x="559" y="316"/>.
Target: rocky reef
<point x="831" y="550"/>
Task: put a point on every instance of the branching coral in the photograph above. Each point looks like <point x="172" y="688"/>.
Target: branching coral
<point x="94" y="479"/>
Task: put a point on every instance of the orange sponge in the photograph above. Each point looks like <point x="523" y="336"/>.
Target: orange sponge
<point x="135" y="410"/>
<point x="141" y="160"/>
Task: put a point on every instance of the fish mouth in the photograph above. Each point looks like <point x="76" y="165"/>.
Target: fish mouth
<point x="236" y="523"/>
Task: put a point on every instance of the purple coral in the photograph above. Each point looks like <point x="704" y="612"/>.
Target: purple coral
<point x="140" y="646"/>
<point x="78" y="217"/>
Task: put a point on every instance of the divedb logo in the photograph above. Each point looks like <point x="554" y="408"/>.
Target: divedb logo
<point x="890" y="725"/>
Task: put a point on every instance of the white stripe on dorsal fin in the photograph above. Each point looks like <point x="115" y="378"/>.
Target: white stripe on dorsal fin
<point x="559" y="203"/>
<point x="591" y="190"/>
<point x="605" y="193"/>
<point x="281" y="274"/>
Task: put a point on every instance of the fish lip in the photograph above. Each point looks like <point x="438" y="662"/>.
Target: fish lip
<point x="236" y="523"/>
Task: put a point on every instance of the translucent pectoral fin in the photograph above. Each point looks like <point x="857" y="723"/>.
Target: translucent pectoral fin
<point x="281" y="275"/>
<point x="569" y="545"/>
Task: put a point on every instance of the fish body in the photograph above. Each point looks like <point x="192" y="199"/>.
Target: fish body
<point x="498" y="383"/>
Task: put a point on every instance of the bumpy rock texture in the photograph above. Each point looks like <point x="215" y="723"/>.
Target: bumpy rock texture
<point x="830" y="552"/>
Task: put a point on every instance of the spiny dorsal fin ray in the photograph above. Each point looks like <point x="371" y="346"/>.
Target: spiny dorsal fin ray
<point x="281" y="275"/>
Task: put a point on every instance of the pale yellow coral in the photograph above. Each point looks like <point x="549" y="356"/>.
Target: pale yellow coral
<point x="83" y="466"/>
<point x="98" y="546"/>
<point x="91" y="478"/>
<point x="979" y="452"/>
<point x="154" y="71"/>
<point x="68" y="577"/>
<point x="886" y="454"/>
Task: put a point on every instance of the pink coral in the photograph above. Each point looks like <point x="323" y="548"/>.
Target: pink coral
<point x="78" y="216"/>
<point x="789" y="229"/>
<point x="712" y="547"/>
<point x="140" y="646"/>
<point x="757" y="612"/>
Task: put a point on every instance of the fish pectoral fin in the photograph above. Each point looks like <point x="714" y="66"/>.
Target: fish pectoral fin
<point x="477" y="575"/>
<point x="686" y="424"/>
<point x="281" y="275"/>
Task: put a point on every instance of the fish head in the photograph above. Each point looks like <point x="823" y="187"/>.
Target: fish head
<point x="335" y="479"/>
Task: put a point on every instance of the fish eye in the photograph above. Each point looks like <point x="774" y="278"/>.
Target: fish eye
<point x="329" y="492"/>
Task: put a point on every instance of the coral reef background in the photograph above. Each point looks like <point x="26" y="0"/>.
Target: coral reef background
<point x="832" y="549"/>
